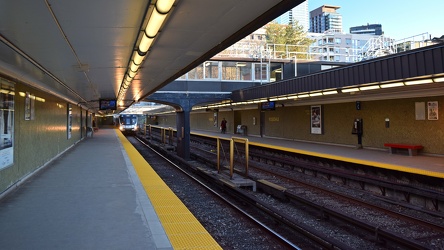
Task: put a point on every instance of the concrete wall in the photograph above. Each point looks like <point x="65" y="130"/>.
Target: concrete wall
<point x="294" y="123"/>
<point x="39" y="140"/>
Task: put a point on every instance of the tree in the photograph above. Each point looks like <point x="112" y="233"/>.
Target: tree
<point x="288" y="40"/>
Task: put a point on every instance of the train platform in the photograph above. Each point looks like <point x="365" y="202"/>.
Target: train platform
<point x="420" y="164"/>
<point x="100" y="194"/>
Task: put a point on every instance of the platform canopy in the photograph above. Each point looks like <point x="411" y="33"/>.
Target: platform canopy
<point x="86" y="50"/>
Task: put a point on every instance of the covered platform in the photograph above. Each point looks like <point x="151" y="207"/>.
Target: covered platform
<point x="100" y="194"/>
<point x="428" y="165"/>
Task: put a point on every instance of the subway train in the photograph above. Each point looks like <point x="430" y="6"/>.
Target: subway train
<point x="129" y="123"/>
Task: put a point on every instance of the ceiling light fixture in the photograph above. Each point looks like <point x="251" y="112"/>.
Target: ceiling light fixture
<point x="369" y="87"/>
<point x="391" y="85"/>
<point x="439" y="79"/>
<point x="331" y="92"/>
<point x="415" y="82"/>
<point x="157" y="18"/>
<point x="315" y="94"/>
<point x="350" y="90"/>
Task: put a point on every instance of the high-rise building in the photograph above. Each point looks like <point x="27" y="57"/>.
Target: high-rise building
<point x="325" y="18"/>
<point x="298" y="13"/>
<point x="371" y="29"/>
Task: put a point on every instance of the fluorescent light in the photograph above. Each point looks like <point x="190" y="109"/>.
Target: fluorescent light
<point x="128" y="78"/>
<point x="332" y="92"/>
<point x="134" y="67"/>
<point x="164" y="6"/>
<point x="132" y="74"/>
<point x="391" y="85"/>
<point x="292" y="97"/>
<point x="369" y="87"/>
<point x="137" y="58"/>
<point x="316" y="94"/>
<point x="418" y="82"/>
<point x="439" y="79"/>
<point x="350" y="90"/>
<point x="303" y="95"/>
<point x="145" y="43"/>
<point x="156" y="20"/>
<point x="282" y="98"/>
<point x="273" y="99"/>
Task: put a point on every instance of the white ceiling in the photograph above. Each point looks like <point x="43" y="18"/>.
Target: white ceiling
<point x="80" y="49"/>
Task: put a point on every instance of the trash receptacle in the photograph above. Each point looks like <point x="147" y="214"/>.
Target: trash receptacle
<point x="89" y="132"/>
<point x="241" y="129"/>
<point x="244" y="130"/>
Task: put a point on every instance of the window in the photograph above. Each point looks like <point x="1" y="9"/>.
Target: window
<point x="211" y="70"/>
<point x="196" y="73"/>
<point x="260" y="72"/>
<point x="236" y="71"/>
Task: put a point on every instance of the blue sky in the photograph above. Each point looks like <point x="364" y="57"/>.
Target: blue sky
<point x="399" y="19"/>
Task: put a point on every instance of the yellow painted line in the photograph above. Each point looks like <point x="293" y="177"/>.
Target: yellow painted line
<point x="346" y="159"/>
<point x="182" y="228"/>
<point x="353" y="160"/>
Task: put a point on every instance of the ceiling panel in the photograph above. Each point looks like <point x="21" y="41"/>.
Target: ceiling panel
<point x="85" y="45"/>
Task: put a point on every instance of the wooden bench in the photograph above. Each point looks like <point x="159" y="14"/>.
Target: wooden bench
<point x="412" y="148"/>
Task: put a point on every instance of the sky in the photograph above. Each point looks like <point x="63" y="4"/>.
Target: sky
<point x="399" y="18"/>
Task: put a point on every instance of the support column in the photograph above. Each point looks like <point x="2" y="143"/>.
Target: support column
<point x="183" y="133"/>
<point x="184" y="102"/>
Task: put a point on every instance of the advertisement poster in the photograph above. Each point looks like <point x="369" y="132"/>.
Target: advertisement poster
<point x="69" y="121"/>
<point x="316" y="120"/>
<point x="6" y="124"/>
<point x="432" y="110"/>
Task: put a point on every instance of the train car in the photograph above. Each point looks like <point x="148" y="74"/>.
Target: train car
<point x="129" y="123"/>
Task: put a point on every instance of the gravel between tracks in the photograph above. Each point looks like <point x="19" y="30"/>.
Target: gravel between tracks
<point x="226" y="226"/>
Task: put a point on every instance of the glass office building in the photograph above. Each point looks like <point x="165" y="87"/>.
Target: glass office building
<point x="325" y="18"/>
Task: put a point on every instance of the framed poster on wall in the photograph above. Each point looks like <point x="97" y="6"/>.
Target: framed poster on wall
<point x="69" y="121"/>
<point x="432" y="110"/>
<point x="29" y="106"/>
<point x="316" y="120"/>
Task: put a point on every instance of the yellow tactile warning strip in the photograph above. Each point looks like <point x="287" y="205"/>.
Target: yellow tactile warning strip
<point x="182" y="228"/>
<point x="358" y="161"/>
<point x="348" y="159"/>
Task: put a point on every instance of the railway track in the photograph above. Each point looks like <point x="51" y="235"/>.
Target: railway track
<point x="168" y="168"/>
<point x="379" y="229"/>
